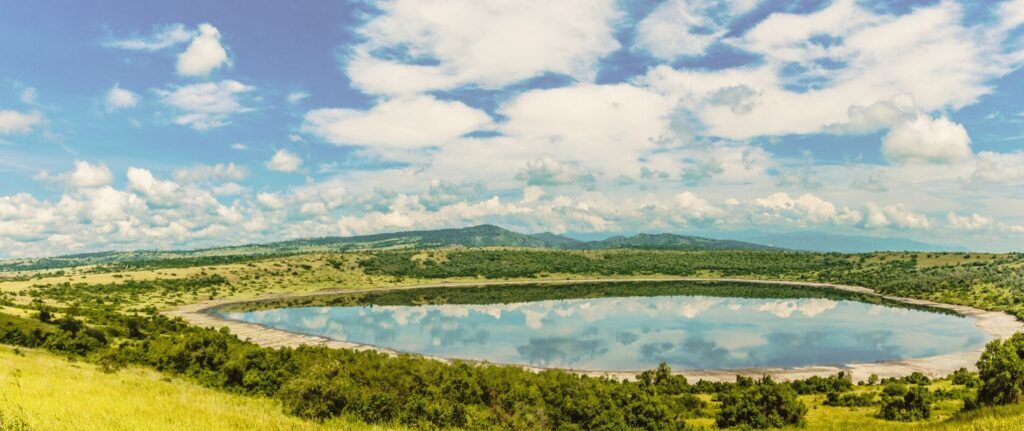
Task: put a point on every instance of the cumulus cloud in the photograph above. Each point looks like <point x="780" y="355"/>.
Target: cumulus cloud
<point x="118" y="98"/>
<point x="486" y="44"/>
<point x="207" y="105"/>
<point x="404" y="122"/>
<point x="969" y="222"/>
<point x="805" y="209"/>
<point x="927" y="140"/>
<point x="204" y="54"/>
<point x="18" y="122"/>
<point x="159" y="192"/>
<point x="284" y="161"/>
<point x="84" y="175"/>
<point x="894" y="216"/>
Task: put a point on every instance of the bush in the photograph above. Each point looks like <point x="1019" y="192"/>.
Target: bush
<point x="1001" y="370"/>
<point x="965" y="378"/>
<point x="863" y="399"/>
<point x="901" y="404"/>
<point x="765" y="404"/>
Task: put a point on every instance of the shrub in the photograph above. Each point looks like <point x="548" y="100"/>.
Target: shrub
<point x="765" y="404"/>
<point x="863" y="399"/>
<point x="1001" y="370"/>
<point x="965" y="378"/>
<point x="902" y="404"/>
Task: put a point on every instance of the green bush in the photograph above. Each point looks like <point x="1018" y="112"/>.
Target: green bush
<point x="902" y="404"/>
<point x="765" y="404"/>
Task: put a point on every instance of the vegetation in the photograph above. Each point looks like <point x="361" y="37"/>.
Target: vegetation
<point x="105" y="318"/>
<point x="1001" y="371"/>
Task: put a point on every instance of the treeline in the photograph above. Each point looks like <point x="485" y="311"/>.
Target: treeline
<point x="515" y="293"/>
<point x="533" y="263"/>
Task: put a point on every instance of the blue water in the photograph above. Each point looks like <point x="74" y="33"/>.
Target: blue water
<point x="637" y="333"/>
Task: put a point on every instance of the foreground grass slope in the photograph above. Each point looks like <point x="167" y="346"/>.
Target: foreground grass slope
<point x="50" y="393"/>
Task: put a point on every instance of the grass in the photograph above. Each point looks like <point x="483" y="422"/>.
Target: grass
<point x="50" y="393"/>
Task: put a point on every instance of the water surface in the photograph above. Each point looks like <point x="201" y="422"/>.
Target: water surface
<point x="637" y="333"/>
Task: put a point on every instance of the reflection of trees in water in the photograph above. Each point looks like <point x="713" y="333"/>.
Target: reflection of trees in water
<point x="563" y="351"/>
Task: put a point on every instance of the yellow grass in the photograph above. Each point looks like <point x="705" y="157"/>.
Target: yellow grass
<point x="50" y="393"/>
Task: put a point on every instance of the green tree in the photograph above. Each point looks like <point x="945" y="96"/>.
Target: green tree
<point x="1001" y="369"/>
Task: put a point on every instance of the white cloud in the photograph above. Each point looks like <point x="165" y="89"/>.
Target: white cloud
<point x="119" y="98"/>
<point x="927" y="56"/>
<point x="18" y="122"/>
<point x="927" y="140"/>
<point x="156" y="191"/>
<point x="206" y="105"/>
<point x="284" y="161"/>
<point x="686" y="27"/>
<point x="163" y="37"/>
<point x="84" y="175"/>
<point x="490" y="44"/>
<point x="894" y="216"/>
<point x="999" y="168"/>
<point x="805" y="209"/>
<point x="296" y="96"/>
<point x="217" y="172"/>
<point x="550" y="172"/>
<point x="969" y="222"/>
<point x="405" y="122"/>
<point x="204" y="54"/>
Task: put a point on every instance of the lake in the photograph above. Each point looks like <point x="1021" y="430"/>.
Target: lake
<point x="638" y="333"/>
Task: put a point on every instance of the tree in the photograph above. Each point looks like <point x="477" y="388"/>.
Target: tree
<point x="1001" y="370"/>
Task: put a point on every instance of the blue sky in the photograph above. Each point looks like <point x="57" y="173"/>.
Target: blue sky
<point x="193" y="124"/>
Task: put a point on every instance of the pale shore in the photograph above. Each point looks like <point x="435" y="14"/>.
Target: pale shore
<point x="993" y="323"/>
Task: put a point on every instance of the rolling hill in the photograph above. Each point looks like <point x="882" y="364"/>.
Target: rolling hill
<point x="474" y="236"/>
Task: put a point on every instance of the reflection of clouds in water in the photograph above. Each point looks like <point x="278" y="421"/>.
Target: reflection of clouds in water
<point x="808" y="307"/>
<point x="626" y="337"/>
<point x="639" y="332"/>
<point x="560" y="351"/>
<point x="693" y="352"/>
<point x="446" y="330"/>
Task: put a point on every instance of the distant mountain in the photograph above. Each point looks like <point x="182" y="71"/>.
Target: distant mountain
<point x="493" y="236"/>
<point x="668" y="241"/>
<point x="826" y="242"/>
<point x="475" y="236"/>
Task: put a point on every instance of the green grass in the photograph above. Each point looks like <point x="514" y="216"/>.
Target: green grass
<point x="52" y="394"/>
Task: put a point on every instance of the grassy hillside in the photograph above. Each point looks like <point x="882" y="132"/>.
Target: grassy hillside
<point x="50" y="393"/>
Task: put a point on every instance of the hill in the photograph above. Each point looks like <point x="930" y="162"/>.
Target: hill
<point x="474" y="236"/>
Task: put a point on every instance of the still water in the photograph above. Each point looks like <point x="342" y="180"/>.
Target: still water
<point x="636" y="333"/>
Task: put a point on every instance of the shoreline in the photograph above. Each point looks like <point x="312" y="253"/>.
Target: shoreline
<point x="995" y="324"/>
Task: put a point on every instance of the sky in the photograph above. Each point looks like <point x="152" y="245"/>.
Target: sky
<point x="171" y="125"/>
